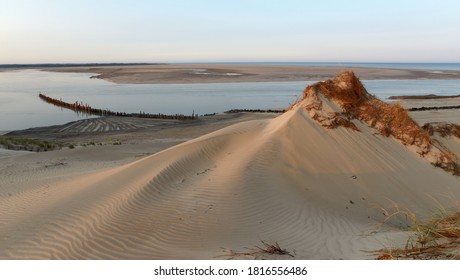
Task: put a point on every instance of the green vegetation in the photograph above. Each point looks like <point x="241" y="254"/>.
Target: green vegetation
<point x="27" y="144"/>
<point x="110" y="141"/>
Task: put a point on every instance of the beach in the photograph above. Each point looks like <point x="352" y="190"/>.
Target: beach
<point x="321" y="185"/>
<point x="227" y="73"/>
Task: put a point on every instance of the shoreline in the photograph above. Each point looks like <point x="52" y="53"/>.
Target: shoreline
<point x="133" y="130"/>
<point x="175" y="182"/>
<point x="234" y="73"/>
<point x="421" y="109"/>
<point x="421" y="97"/>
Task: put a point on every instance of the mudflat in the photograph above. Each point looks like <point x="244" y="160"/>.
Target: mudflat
<point x="228" y="73"/>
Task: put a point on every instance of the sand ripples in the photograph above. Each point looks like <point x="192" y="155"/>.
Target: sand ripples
<point x="231" y="188"/>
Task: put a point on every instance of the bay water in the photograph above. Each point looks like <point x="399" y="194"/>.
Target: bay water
<point x="20" y="107"/>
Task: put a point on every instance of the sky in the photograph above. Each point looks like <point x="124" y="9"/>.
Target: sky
<point x="69" y="31"/>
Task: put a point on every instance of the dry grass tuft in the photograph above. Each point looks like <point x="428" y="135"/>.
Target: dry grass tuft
<point x="392" y="120"/>
<point x="389" y="119"/>
<point x="451" y="167"/>
<point x="438" y="238"/>
<point x="444" y="129"/>
<point x="267" y="249"/>
<point x="349" y="94"/>
<point x="345" y="88"/>
<point x="338" y="120"/>
<point x="273" y="249"/>
<point x="447" y="251"/>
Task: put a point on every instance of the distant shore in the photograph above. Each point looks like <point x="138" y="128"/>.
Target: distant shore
<point x="427" y="96"/>
<point x="54" y="65"/>
<point x="229" y="73"/>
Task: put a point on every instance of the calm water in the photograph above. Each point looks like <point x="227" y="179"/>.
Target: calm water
<point x="21" y="108"/>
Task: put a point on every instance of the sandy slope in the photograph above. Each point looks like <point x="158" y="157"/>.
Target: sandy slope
<point x="318" y="192"/>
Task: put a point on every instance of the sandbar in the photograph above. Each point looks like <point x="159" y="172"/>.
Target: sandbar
<point x="229" y="73"/>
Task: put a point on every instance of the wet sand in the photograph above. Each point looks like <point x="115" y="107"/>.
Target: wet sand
<point x="227" y="73"/>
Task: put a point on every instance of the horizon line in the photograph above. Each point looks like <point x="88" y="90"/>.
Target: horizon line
<point x="57" y="64"/>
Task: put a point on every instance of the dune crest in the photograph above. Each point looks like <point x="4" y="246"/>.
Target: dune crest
<point x="339" y="101"/>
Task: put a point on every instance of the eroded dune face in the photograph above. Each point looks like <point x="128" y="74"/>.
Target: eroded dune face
<point x="319" y="180"/>
<point x="355" y="103"/>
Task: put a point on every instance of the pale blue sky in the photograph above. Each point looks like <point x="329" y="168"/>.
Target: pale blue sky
<point x="60" y="31"/>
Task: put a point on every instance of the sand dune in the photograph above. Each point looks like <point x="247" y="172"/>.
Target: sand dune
<point x="317" y="191"/>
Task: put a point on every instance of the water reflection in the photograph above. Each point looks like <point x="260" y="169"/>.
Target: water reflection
<point x="21" y="108"/>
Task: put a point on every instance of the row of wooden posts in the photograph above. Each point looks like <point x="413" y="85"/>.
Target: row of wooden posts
<point x="80" y="107"/>
<point x="434" y="108"/>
